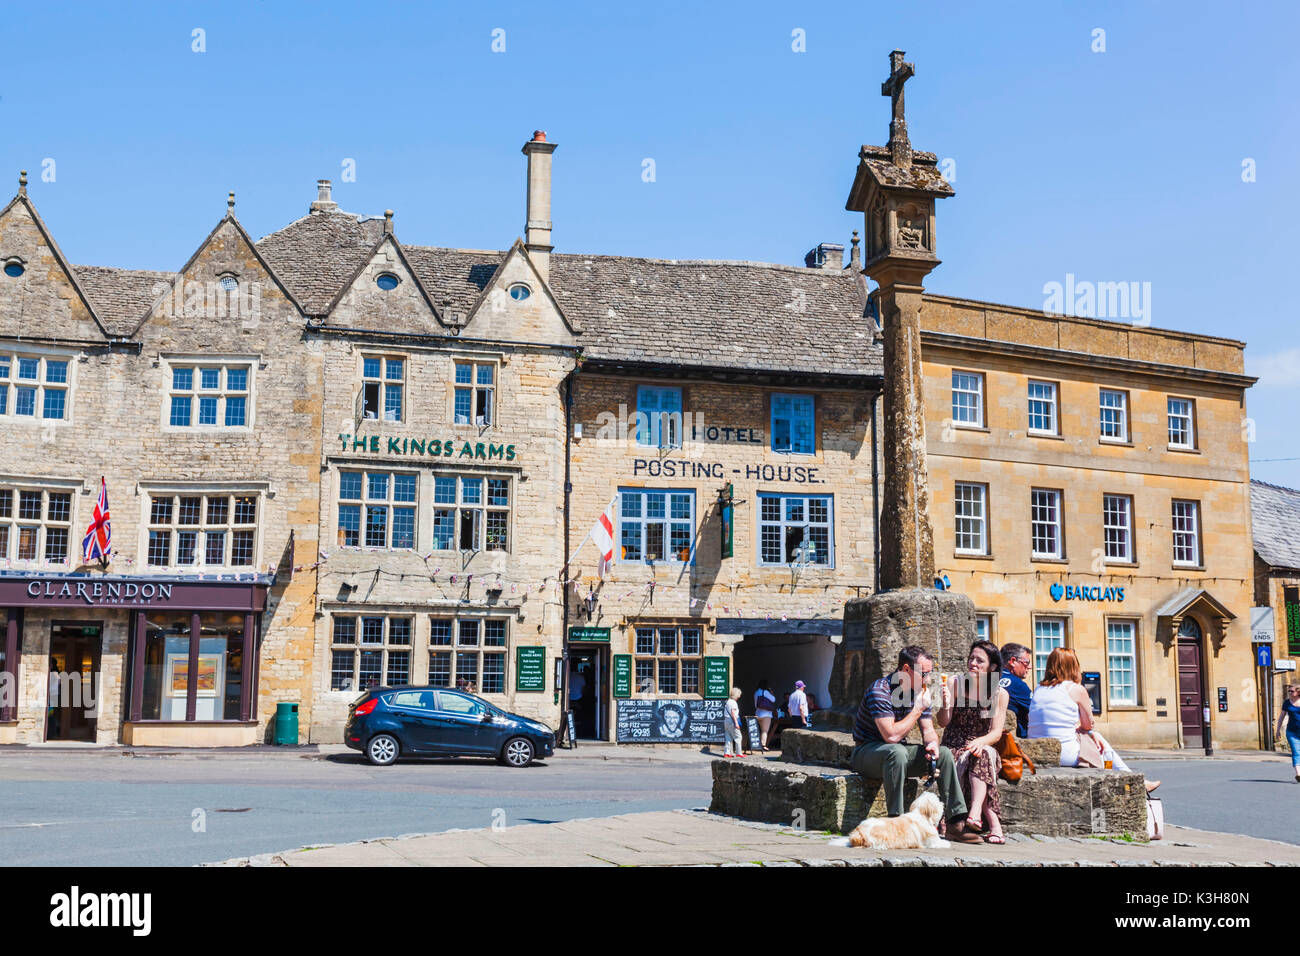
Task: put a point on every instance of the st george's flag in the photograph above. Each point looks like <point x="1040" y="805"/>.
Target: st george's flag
<point x="97" y="543"/>
<point x="603" y="536"/>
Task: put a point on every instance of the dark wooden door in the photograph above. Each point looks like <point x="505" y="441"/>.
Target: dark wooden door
<point x="74" y="657"/>
<point x="1190" y="698"/>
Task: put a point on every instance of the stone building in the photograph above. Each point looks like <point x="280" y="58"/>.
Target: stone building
<point x="1275" y="520"/>
<point x="394" y="455"/>
<point x="190" y="396"/>
<point x="1090" y="488"/>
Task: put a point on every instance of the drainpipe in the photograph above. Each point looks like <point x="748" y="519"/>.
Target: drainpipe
<point x="564" y="575"/>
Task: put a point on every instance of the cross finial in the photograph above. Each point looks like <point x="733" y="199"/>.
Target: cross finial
<point x="899" y="73"/>
<point x="22" y="182"/>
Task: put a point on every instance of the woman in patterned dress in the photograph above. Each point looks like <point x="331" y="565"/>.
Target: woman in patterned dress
<point x="973" y="715"/>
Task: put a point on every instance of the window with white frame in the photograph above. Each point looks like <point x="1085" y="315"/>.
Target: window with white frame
<point x="1117" y="527"/>
<point x="793" y="424"/>
<point x="468" y="654"/>
<point x="1047" y="539"/>
<point x="967" y="399"/>
<point x="1042" y="408"/>
<point x="659" y="417"/>
<point x="656" y="525"/>
<point x="369" y="651"/>
<point x="796" y="529"/>
<point x="1187" y="532"/>
<point x="189" y="530"/>
<point x="377" y="509"/>
<point x="1181" y="423"/>
<point x="34" y="386"/>
<point x="1113" y="420"/>
<point x="471" y="513"/>
<point x="383" y="379"/>
<point x="473" y="397"/>
<point x="984" y="628"/>
<point x="971" y="518"/>
<point x="35" y="525"/>
<point x="1049" y="634"/>
<point x="209" y="395"/>
<point x="1121" y="662"/>
<point x="668" y="660"/>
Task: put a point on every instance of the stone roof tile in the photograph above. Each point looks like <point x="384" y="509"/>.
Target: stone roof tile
<point x="1275" y="523"/>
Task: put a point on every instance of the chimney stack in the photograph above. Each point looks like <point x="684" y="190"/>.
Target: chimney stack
<point x="537" y="226"/>
<point x="827" y="255"/>
<point x="323" y="202"/>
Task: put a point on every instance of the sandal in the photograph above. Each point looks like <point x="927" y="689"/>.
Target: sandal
<point x="974" y="826"/>
<point x="997" y="839"/>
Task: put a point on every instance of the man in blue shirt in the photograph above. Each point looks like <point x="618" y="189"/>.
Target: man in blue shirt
<point x="890" y="708"/>
<point x="1016" y="663"/>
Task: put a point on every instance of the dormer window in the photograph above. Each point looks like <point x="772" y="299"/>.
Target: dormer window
<point x="519" y="292"/>
<point x="387" y="281"/>
<point x="14" y="268"/>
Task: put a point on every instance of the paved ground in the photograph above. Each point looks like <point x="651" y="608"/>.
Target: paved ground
<point x="696" y="838"/>
<point x="116" y="806"/>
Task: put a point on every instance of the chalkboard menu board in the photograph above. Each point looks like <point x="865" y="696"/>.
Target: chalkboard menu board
<point x="573" y="732"/>
<point x="755" y="733"/>
<point x="717" y="677"/>
<point x="530" y="668"/>
<point x="670" y="721"/>
<point x="622" y="675"/>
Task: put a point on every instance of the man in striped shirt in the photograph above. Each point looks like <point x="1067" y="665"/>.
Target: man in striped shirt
<point x="890" y="708"/>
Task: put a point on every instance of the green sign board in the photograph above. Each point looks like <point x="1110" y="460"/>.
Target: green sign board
<point x="530" y="669"/>
<point x="728" y="511"/>
<point x="589" y="634"/>
<point x="717" y="678"/>
<point x="622" y="675"/>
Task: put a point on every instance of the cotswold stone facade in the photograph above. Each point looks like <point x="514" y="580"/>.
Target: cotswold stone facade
<point x="1090" y="488"/>
<point x="337" y="461"/>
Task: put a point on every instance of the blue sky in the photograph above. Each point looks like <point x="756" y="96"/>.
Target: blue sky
<point x="1122" y="165"/>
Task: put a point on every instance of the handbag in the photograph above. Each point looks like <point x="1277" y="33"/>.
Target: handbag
<point x="1089" y="752"/>
<point x="1155" y="819"/>
<point x="1013" y="758"/>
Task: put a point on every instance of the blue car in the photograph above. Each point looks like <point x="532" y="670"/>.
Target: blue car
<point x="385" y="723"/>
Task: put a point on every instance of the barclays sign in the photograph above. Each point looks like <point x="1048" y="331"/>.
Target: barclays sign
<point x="1096" y="592"/>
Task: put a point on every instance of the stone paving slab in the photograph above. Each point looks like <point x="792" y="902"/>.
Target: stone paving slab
<point x="698" y="838"/>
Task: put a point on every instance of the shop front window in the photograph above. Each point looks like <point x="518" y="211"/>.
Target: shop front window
<point x="217" y="681"/>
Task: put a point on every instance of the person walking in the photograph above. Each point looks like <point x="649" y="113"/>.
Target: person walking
<point x="764" y="711"/>
<point x="1291" y="717"/>
<point x="799" y="712"/>
<point x="731" y="724"/>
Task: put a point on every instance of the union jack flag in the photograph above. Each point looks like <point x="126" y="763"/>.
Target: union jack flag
<point x="97" y="544"/>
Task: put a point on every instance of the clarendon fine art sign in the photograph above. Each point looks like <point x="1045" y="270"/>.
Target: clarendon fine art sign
<point x="430" y="447"/>
<point x="133" y="592"/>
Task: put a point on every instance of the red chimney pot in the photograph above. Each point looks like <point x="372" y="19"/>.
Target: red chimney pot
<point x="539" y="136"/>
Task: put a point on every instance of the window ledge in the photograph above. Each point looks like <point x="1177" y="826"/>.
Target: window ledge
<point x="1039" y="560"/>
<point x="971" y="428"/>
<point x="1115" y="441"/>
<point x="1048" y="435"/>
<point x="1125" y="709"/>
<point x="961" y="556"/>
<point x="1120" y="564"/>
<point x="1183" y="449"/>
<point x="1188" y="567"/>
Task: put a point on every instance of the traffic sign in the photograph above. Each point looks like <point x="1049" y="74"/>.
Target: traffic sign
<point x="1264" y="655"/>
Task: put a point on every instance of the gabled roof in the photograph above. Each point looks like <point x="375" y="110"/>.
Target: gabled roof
<point x="1275" y="524"/>
<point x="519" y="251"/>
<point x="1183" y="601"/>
<point x="121" y="296"/>
<point x="21" y="198"/>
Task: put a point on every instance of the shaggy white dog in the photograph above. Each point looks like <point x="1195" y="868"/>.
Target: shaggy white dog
<point x="916" y="829"/>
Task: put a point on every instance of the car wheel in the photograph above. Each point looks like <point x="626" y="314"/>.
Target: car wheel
<point x="517" y="752"/>
<point x="382" y="749"/>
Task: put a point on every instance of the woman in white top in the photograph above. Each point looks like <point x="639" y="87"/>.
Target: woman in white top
<point x="764" y="710"/>
<point x="731" y="726"/>
<point x="1061" y="708"/>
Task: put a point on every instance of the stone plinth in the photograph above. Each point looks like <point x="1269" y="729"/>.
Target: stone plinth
<point x="1054" y="802"/>
<point x="835" y="748"/>
<point x="876" y="628"/>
